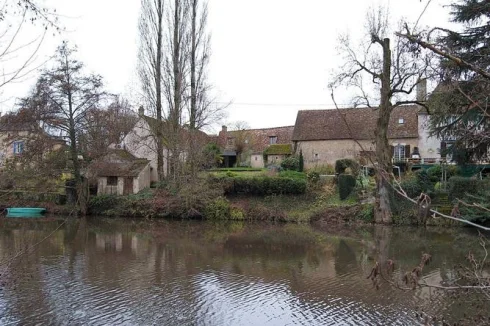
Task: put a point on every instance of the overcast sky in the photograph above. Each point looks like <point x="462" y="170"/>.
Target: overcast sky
<point x="269" y="57"/>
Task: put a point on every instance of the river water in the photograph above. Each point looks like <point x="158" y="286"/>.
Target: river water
<point x="123" y="272"/>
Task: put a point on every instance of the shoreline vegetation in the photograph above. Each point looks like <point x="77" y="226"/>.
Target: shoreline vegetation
<point x="327" y="195"/>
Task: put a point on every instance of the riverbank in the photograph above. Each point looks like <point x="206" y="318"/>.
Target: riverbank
<point x="321" y="207"/>
<point x="285" y="196"/>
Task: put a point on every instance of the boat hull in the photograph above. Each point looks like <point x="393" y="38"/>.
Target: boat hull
<point x="25" y="212"/>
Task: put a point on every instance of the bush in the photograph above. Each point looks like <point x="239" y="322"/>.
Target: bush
<point x="366" y="214"/>
<point x="313" y="177"/>
<point x="290" y="163"/>
<point x="218" y="209"/>
<point x="412" y="187"/>
<point x="343" y="164"/>
<point x="434" y="173"/>
<point x="459" y="186"/>
<point x="346" y="183"/>
<point x="424" y="181"/>
<point x="99" y="204"/>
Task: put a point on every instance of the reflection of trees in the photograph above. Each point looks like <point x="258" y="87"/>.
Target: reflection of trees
<point x="20" y="268"/>
<point x="174" y="265"/>
<point x="345" y="258"/>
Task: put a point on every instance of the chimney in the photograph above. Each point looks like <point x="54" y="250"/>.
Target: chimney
<point x="422" y="90"/>
<point x="141" y="111"/>
<point x="224" y="129"/>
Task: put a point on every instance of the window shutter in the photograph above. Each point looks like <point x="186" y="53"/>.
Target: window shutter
<point x="407" y="151"/>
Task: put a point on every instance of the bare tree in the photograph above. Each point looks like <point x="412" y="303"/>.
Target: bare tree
<point x="18" y="46"/>
<point x="62" y="98"/>
<point x="174" y="58"/>
<point x="394" y="71"/>
<point x="242" y="139"/>
<point x="175" y="80"/>
<point x="151" y="65"/>
<point x="105" y="126"/>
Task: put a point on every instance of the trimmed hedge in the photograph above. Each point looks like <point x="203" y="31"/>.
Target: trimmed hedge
<point x="263" y="185"/>
<point x="347" y="183"/>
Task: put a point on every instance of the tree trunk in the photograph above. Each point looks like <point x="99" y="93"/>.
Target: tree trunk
<point x="193" y="104"/>
<point x="382" y="209"/>
<point x="158" y="84"/>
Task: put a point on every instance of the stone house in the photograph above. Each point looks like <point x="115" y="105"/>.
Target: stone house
<point x="16" y="137"/>
<point x="120" y="173"/>
<point x="325" y="136"/>
<point x="141" y="142"/>
<point x="257" y="147"/>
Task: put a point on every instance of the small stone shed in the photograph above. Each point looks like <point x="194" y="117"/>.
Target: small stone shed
<point x="120" y="173"/>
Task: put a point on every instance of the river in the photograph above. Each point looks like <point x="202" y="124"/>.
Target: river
<point x="126" y="272"/>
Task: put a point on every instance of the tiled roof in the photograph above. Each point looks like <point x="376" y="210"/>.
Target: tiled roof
<point x="119" y="163"/>
<point x="260" y="138"/>
<point x="358" y="123"/>
<point x="125" y="169"/>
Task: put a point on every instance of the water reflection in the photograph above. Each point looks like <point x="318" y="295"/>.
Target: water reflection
<point x="186" y="273"/>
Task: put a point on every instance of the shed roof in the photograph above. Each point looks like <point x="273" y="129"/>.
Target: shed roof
<point x="119" y="163"/>
<point x="122" y="169"/>
<point x="354" y="123"/>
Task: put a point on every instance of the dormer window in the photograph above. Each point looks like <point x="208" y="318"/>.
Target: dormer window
<point x="401" y="121"/>
<point x="272" y="140"/>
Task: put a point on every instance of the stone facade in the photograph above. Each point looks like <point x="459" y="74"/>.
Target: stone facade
<point x="140" y="182"/>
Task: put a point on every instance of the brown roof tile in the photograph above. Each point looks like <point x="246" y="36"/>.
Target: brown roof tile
<point x="118" y="163"/>
<point x="329" y="124"/>
<point x="260" y="137"/>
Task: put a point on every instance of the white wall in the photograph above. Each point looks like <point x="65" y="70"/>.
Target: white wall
<point x="257" y="161"/>
<point x="143" y="181"/>
<point x="141" y="144"/>
<point x="429" y="147"/>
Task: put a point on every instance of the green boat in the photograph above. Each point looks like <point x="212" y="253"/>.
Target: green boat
<point x="25" y="212"/>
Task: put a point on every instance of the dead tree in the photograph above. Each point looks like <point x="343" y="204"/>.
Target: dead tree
<point x="423" y="203"/>
<point x="394" y="72"/>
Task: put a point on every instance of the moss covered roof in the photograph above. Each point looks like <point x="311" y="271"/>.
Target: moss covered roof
<point x="279" y="149"/>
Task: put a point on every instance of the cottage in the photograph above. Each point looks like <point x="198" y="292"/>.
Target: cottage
<point x="325" y="136"/>
<point x="121" y="173"/>
<point x="141" y="142"/>
<point x="255" y="147"/>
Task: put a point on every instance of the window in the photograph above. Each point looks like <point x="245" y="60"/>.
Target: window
<point x="112" y="181"/>
<point x="18" y="147"/>
<point x="399" y="152"/>
<point x="401" y="121"/>
<point x="316" y="156"/>
<point x="272" y="140"/>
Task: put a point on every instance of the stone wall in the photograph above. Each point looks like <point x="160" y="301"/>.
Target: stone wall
<point x="321" y="152"/>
